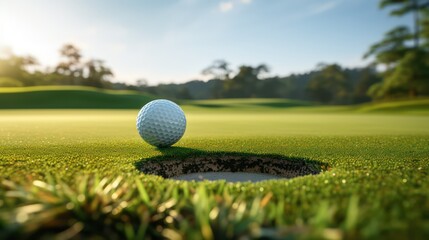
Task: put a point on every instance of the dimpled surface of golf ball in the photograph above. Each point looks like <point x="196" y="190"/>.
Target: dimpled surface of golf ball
<point x="161" y="123"/>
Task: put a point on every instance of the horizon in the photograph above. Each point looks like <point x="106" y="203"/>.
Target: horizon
<point x="172" y="41"/>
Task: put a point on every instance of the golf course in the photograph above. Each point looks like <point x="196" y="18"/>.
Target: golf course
<point x="71" y="170"/>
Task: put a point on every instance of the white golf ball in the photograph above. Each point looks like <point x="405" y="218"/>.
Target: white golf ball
<point x="161" y="123"/>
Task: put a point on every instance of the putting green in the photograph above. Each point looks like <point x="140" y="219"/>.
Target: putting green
<point x="375" y="183"/>
<point x="34" y="141"/>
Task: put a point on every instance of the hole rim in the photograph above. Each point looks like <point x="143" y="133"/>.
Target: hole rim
<point x="170" y="166"/>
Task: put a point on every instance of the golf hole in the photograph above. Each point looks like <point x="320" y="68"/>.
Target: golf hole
<point x="231" y="168"/>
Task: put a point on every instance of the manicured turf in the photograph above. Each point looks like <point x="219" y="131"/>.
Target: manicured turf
<point x="60" y="97"/>
<point x="77" y="97"/>
<point x="376" y="185"/>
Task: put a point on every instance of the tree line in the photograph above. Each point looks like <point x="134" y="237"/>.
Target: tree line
<point x="403" y="56"/>
<point x="71" y="70"/>
<point x="328" y="83"/>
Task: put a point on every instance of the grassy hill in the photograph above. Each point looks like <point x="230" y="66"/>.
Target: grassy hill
<point x="398" y="106"/>
<point x="415" y="107"/>
<point x="51" y="97"/>
<point x="71" y="97"/>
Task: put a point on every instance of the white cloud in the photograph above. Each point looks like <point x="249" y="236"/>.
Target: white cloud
<point x="226" y="6"/>
<point x="317" y="9"/>
<point x="324" y="7"/>
<point x="229" y="5"/>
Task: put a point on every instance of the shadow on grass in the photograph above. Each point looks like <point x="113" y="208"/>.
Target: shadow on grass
<point x="268" y="104"/>
<point x="177" y="161"/>
<point x="283" y="104"/>
<point x="204" y="105"/>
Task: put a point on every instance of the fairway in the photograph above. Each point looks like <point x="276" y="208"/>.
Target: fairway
<point x="378" y="163"/>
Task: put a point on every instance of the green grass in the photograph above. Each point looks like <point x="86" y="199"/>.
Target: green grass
<point x="404" y="106"/>
<point x="77" y="97"/>
<point x="74" y="173"/>
<point x="64" y="97"/>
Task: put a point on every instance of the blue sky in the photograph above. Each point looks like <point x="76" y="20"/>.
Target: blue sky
<point x="173" y="40"/>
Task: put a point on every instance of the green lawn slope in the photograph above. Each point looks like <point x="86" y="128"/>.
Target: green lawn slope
<point x="419" y="105"/>
<point x="72" y="97"/>
<point x="64" y="97"/>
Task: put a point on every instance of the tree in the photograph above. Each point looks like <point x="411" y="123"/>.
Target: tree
<point x="401" y="51"/>
<point x="16" y="67"/>
<point x="272" y="88"/>
<point x="424" y="29"/>
<point x="141" y="83"/>
<point x="246" y="83"/>
<point x="183" y="93"/>
<point x="392" y="48"/>
<point x="403" y="7"/>
<point x="409" y="78"/>
<point x="399" y="36"/>
<point x="329" y="85"/>
<point x="367" y="78"/>
<point x="96" y="74"/>
<point x="70" y="69"/>
<point x="218" y="70"/>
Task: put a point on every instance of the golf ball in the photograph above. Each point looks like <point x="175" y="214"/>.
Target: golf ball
<point x="161" y="123"/>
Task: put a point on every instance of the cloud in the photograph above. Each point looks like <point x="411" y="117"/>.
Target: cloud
<point x="226" y="6"/>
<point x="231" y="4"/>
<point x="324" y="7"/>
<point x="316" y="9"/>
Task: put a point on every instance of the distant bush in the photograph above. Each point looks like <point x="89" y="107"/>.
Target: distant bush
<point x="10" y="82"/>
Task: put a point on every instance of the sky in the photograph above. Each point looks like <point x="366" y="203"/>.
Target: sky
<point x="165" y="41"/>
